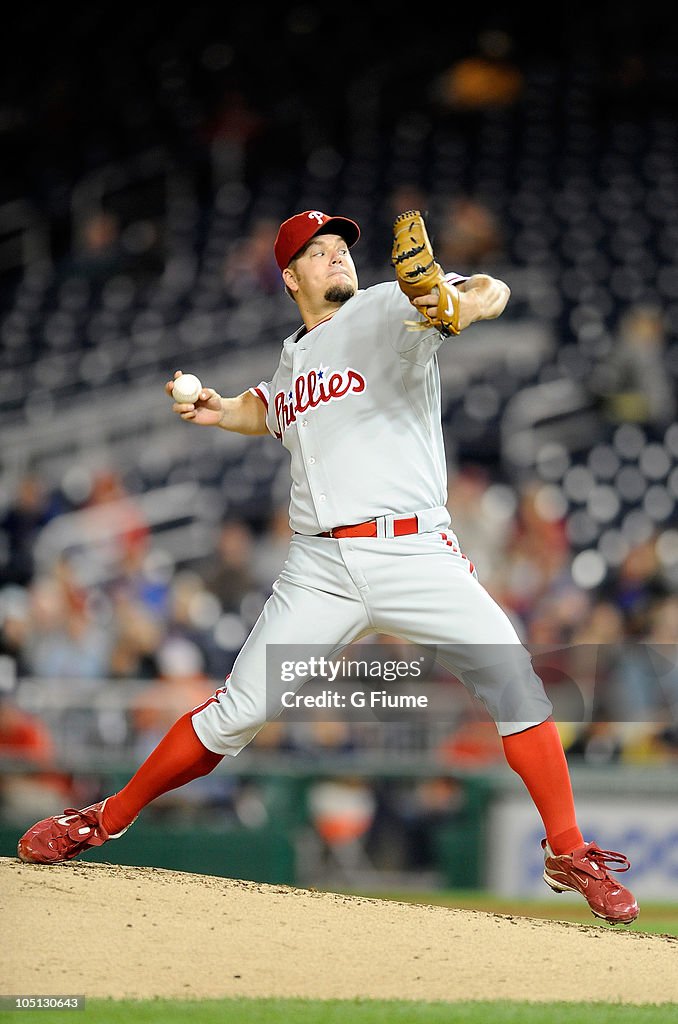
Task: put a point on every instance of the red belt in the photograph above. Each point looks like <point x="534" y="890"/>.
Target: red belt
<point x="401" y="528"/>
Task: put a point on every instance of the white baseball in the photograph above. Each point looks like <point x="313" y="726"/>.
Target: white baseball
<point x="186" y="388"/>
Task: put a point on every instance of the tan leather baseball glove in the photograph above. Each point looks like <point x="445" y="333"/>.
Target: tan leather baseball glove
<point x="418" y="274"/>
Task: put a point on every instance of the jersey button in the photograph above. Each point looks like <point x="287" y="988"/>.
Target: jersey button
<point x="304" y="423"/>
<point x="322" y="497"/>
<point x="311" y="461"/>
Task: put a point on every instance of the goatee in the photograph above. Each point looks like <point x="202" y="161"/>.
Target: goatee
<point x="339" y="292"/>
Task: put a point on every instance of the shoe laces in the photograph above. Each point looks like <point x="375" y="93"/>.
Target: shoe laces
<point x="89" y="814"/>
<point x="604" y="860"/>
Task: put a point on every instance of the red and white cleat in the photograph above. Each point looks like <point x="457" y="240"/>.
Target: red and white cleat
<point x="585" y="871"/>
<point x="63" y="837"/>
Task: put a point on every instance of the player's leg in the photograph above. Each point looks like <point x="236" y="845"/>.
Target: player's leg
<point x="315" y="611"/>
<point x="295" y="617"/>
<point x="314" y="602"/>
<point x="440" y="603"/>
<point x="422" y="588"/>
<point x="179" y="758"/>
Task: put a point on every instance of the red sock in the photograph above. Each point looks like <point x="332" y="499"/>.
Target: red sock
<point x="179" y="758"/>
<point x="537" y="755"/>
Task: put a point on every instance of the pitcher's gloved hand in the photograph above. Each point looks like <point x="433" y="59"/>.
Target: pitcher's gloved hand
<point x="419" y="274"/>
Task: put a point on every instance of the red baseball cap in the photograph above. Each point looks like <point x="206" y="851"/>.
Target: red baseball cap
<point x="294" y="233"/>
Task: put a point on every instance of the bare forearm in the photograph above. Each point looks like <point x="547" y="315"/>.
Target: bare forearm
<point x="482" y="298"/>
<point x="244" y="414"/>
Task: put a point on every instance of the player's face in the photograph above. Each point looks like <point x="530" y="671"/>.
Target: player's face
<point x="326" y="270"/>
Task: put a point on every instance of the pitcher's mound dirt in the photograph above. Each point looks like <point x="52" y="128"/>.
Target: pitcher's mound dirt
<point x="113" y="931"/>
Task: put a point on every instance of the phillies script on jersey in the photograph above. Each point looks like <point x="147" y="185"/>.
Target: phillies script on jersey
<point x="312" y="388"/>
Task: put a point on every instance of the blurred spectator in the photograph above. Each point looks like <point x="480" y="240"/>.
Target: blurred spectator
<point x="638" y="582"/>
<point x="468" y="236"/>
<point x="230" y="132"/>
<point x="108" y="246"/>
<point x="270" y="549"/>
<point x="25" y="739"/>
<point x="144" y="577"/>
<point x="579" y="678"/>
<point x="594" y="658"/>
<point x="250" y="268"/>
<point x="64" y="640"/>
<point x="481" y="525"/>
<point x="631" y="683"/>
<point x="342" y="812"/>
<point x="136" y="637"/>
<point x="603" y="625"/>
<point x="633" y="383"/>
<point x="319" y="736"/>
<point x="107" y="526"/>
<point x="406" y="195"/>
<point x="22" y="736"/>
<point x="646" y="687"/>
<point x="181" y="684"/>
<point x="229" y="572"/>
<point x="117" y="513"/>
<point x="14" y="630"/>
<point x="486" y="79"/>
<point x="20" y="526"/>
<point x="663" y="621"/>
<point x="273" y="737"/>
<point x="558" y="614"/>
<point x="97" y="250"/>
<point x="425" y="808"/>
<point x="473" y="743"/>
<point x="193" y="612"/>
<point x="536" y="558"/>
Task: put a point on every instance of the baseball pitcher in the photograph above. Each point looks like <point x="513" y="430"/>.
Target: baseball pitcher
<point x="355" y="399"/>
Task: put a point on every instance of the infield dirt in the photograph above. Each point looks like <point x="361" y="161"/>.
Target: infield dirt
<point x="103" y="930"/>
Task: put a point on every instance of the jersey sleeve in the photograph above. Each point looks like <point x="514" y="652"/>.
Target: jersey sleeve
<point x="418" y="345"/>
<point x="262" y="391"/>
<point x="454" y="278"/>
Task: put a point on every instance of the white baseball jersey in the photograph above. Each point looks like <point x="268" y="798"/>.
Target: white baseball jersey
<point x="356" y="401"/>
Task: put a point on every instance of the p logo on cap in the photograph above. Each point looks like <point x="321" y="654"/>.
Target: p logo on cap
<point x="295" y="232"/>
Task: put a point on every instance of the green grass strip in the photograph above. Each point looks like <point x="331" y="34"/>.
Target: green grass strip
<point x="349" y="1011"/>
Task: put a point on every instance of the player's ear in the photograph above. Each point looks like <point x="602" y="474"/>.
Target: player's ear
<point x="290" y="279"/>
